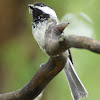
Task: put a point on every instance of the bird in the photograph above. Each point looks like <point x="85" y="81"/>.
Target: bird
<point x="42" y="16"/>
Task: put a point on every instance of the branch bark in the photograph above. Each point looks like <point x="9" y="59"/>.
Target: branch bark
<point x="39" y="81"/>
<point x="83" y="43"/>
<point x="55" y="44"/>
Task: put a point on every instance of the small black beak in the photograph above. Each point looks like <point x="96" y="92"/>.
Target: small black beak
<point x="31" y="6"/>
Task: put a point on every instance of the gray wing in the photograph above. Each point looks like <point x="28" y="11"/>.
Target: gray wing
<point x="70" y="56"/>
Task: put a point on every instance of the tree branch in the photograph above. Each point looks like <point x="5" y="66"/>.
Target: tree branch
<point x="83" y="43"/>
<point x="39" y="80"/>
<point x="55" y="44"/>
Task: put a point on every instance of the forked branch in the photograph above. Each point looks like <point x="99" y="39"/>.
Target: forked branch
<point x="55" y="44"/>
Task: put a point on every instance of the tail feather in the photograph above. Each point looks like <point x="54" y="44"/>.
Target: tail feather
<point x="76" y="87"/>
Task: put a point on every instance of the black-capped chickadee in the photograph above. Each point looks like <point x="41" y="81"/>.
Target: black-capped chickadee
<point x="42" y="16"/>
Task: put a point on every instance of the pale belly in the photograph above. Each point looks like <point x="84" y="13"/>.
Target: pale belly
<point x="39" y="34"/>
<point x="40" y="30"/>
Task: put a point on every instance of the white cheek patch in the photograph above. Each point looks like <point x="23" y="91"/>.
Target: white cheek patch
<point x="48" y="11"/>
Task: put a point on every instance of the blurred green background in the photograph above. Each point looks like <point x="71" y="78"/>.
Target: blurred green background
<point x="20" y="56"/>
